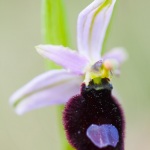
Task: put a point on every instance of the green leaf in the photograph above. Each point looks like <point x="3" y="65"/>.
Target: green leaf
<point x="54" y="23"/>
<point x="54" y="27"/>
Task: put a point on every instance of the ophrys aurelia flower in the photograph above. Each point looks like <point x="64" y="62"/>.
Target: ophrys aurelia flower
<point x="79" y="66"/>
<point x="85" y="66"/>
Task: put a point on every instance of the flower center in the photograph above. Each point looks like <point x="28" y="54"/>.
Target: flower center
<point x="99" y="70"/>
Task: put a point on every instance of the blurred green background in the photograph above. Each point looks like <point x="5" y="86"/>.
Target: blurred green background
<point x="20" y="31"/>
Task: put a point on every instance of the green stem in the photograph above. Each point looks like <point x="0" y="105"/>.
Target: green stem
<point x="54" y="31"/>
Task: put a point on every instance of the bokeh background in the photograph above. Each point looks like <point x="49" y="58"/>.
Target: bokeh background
<point x="20" y="31"/>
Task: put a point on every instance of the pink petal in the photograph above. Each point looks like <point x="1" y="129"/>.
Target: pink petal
<point x="65" y="57"/>
<point x="103" y="135"/>
<point x="53" y="87"/>
<point x="114" y="59"/>
<point x="118" y="53"/>
<point x="92" y="25"/>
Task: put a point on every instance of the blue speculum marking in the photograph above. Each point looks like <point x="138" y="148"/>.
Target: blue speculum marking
<point x="103" y="135"/>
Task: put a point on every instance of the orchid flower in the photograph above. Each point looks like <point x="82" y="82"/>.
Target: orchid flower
<point x="58" y="86"/>
<point x="92" y="118"/>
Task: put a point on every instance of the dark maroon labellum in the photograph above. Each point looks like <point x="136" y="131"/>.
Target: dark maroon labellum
<point x="95" y="105"/>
